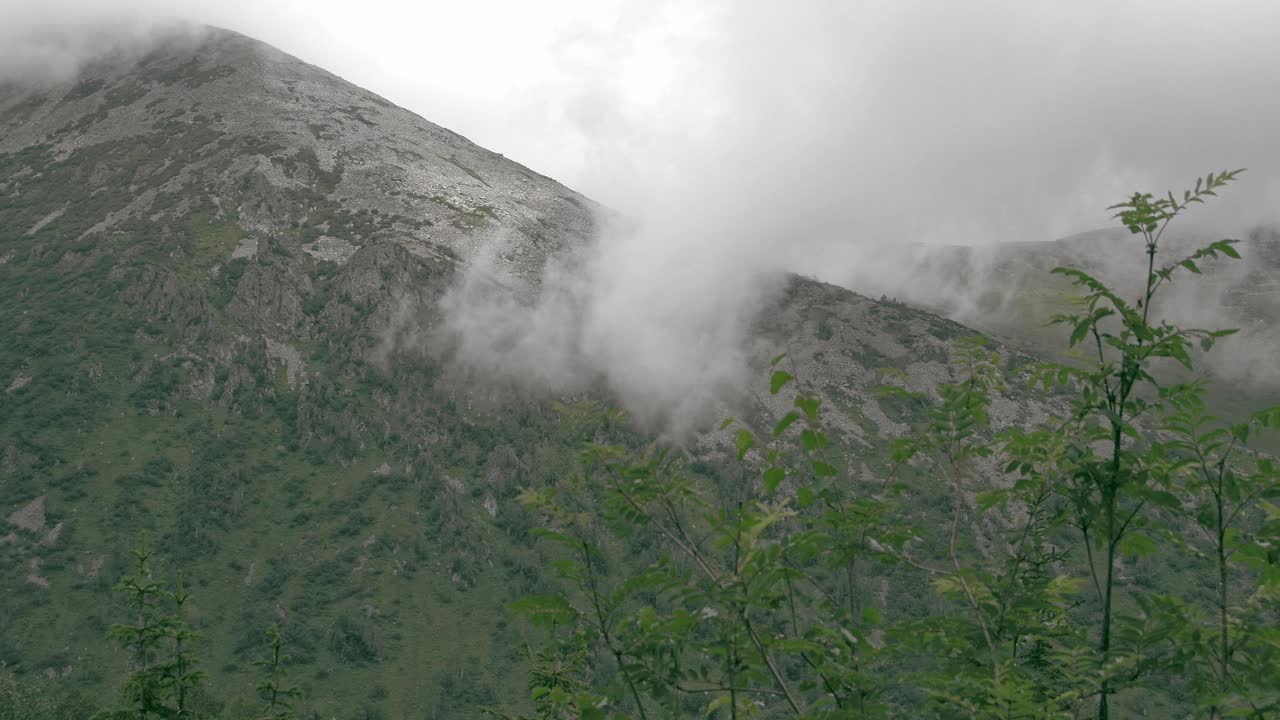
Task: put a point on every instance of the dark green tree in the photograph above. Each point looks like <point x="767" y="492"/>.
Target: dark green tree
<point x="163" y="675"/>
<point x="1113" y="491"/>
<point x="273" y="690"/>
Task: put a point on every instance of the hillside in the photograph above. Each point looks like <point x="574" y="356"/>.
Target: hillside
<point x="228" y="286"/>
<point x="219" y="277"/>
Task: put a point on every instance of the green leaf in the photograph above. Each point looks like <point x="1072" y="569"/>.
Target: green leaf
<point x="871" y="615"/>
<point x="903" y="449"/>
<point x="727" y="422"/>
<point x="779" y="379"/>
<point x="812" y="439"/>
<point x="1179" y="353"/>
<point x="557" y="537"/>
<point x="776" y="360"/>
<point x="805" y="497"/>
<point x="1137" y="544"/>
<point x="809" y="405"/>
<point x="1268" y="417"/>
<point x="544" y="609"/>
<point x="785" y="423"/>
<point x="773" y="477"/>
<point x="1163" y="499"/>
<point x="744" y="441"/>
<point x="822" y="469"/>
<point x="1081" y="329"/>
<point x="722" y="701"/>
<point x="990" y="499"/>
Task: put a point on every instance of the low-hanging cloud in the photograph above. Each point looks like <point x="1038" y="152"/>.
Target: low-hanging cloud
<point x="662" y="332"/>
<point x="51" y="41"/>
<point x="848" y="141"/>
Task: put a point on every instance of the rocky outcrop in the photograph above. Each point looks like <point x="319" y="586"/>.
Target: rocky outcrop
<point x="30" y="517"/>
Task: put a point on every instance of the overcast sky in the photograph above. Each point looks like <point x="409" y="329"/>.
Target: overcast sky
<point x="966" y="120"/>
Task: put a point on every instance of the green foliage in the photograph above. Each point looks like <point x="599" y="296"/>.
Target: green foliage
<point x="272" y="690"/>
<point x="164" y="677"/>
<point x="354" y="642"/>
<point x="556" y="681"/>
<point x="1120" y="497"/>
<point x="759" y="602"/>
<point x="117" y="335"/>
<point x="734" y="605"/>
<point x="1230" y="649"/>
<point x="144" y="397"/>
<point x="28" y="699"/>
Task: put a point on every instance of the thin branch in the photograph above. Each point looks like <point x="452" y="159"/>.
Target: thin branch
<point x="604" y="628"/>
<point x="729" y="689"/>
<point x="768" y="661"/>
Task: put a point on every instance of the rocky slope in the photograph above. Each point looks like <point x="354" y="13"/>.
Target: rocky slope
<point x="273" y="141"/>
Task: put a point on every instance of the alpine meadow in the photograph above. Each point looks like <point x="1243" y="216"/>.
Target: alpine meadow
<point x="312" y="409"/>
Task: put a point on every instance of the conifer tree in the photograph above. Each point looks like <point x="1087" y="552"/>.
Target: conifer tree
<point x="163" y="674"/>
<point x="272" y="690"/>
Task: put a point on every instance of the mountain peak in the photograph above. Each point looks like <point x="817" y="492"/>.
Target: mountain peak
<point x="273" y="137"/>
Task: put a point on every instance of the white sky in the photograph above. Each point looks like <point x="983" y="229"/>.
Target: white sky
<point x="1008" y="119"/>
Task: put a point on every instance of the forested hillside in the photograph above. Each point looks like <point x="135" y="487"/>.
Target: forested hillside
<point x="221" y="272"/>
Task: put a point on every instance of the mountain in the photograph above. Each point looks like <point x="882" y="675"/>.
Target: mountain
<point x="203" y="250"/>
<point x="220" y="281"/>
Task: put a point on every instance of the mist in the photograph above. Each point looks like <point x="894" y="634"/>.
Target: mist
<point x="850" y="143"/>
<point x="736" y="141"/>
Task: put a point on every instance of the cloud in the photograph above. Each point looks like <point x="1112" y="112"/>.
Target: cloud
<point x="42" y="42"/>
<point x="936" y="122"/>
<point x="845" y="140"/>
<point x="661" y="332"/>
